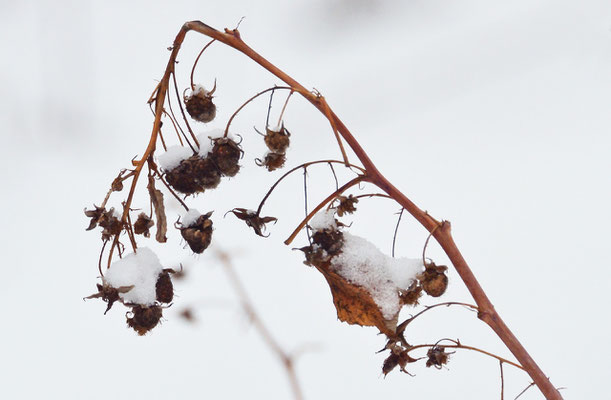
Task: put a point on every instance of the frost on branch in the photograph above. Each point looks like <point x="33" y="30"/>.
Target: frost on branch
<point x="365" y="283"/>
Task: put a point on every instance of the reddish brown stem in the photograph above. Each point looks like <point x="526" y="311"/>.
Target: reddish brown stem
<point x="487" y="313"/>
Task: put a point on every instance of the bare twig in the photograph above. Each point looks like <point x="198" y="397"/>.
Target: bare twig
<point x="285" y="358"/>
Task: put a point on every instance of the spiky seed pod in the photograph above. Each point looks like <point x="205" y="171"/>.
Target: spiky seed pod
<point x="434" y="280"/>
<point x="198" y="235"/>
<point x="111" y="224"/>
<point x="226" y="154"/>
<point x="143" y="224"/>
<point x="437" y="357"/>
<point x="164" y="288"/>
<point x="199" y="105"/>
<point x="277" y="141"/>
<point x="207" y="173"/>
<point x="272" y="161"/>
<point x="183" y="178"/>
<point x="144" y="318"/>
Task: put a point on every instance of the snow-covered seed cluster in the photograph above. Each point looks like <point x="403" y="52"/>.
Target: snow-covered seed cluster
<point x="138" y="281"/>
<point x="199" y="104"/>
<point x="277" y="141"/>
<point x="196" y="229"/>
<point x="190" y="173"/>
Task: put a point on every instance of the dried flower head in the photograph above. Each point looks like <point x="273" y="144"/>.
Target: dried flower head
<point x="434" y="280"/>
<point x="144" y="318"/>
<point x="143" y="224"/>
<point x="277" y="140"/>
<point x="164" y="288"/>
<point x="272" y="161"/>
<point x="226" y="153"/>
<point x="437" y="357"/>
<point x="346" y="205"/>
<point x="198" y="235"/>
<point x="193" y="175"/>
<point x="199" y="104"/>
<point x="411" y="295"/>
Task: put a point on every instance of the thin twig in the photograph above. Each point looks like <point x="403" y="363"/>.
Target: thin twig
<point x="286" y="359"/>
<point x="524" y="391"/>
<point x="502" y="381"/>
<point x="394" y="236"/>
<point x="196" y="60"/>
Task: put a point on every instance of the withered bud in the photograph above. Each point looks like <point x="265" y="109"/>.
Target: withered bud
<point x="277" y="141"/>
<point x="437" y="357"/>
<point x="143" y="224"/>
<point x="226" y="153"/>
<point x="111" y="225"/>
<point x="272" y="161"/>
<point x="199" y="105"/>
<point x="346" y="205"/>
<point x="117" y="184"/>
<point x="411" y="295"/>
<point x="144" y="318"/>
<point x="164" y="288"/>
<point x="198" y="235"/>
<point x="253" y="219"/>
<point x="434" y="280"/>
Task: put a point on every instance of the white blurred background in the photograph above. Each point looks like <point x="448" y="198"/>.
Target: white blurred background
<point x="493" y="115"/>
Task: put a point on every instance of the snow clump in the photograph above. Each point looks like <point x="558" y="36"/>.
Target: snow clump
<point x="140" y="270"/>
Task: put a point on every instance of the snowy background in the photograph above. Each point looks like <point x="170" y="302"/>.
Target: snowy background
<point x="491" y="114"/>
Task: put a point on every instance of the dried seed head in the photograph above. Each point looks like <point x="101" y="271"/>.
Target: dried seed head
<point x="272" y="161"/>
<point x="198" y="235"/>
<point x="164" y="288"/>
<point x="193" y="175"/>
<point x="277" y="141"/>
<point x="182" y="178"/>
<point x="143" y="224"/>
<point x="434" y="280"/>
<point x="117" y="184"/>
<point x="437" y="357"/>
<point x="207" y="174"/>
<point x="199" y="105"/>
<point x="226" y="153"/>
<point x="411" y="295"/>
<point x="144" y="318"/>
<point x="329" y="240"/>
<point x="390" y="363"/>
<point x="346" y="205"/>
<point x="252" y="219"/>
<point x="95" y="216"/>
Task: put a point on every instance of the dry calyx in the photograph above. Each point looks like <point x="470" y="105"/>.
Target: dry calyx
<point x="196" y="229"/>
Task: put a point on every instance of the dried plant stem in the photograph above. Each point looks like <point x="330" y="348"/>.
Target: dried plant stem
<point x="196" y="60"/>
<point x="272" y="89"/>
<point x="458" y="345"/>
<point x="401" y="327"/>
<point x="443" y="235"/>
<point x="286" y="359"/>
<point x="502" y="381"/>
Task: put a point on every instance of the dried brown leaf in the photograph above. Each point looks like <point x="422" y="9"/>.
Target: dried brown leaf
<point x="157" y="200"/>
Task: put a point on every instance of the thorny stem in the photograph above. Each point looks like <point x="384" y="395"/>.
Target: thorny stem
<point x="287" y="360"/>
<point x="273" y="89"/>
<point x="305" y="165"/>
<point x="320" y="206"/>
<point x="443" y="236"/>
